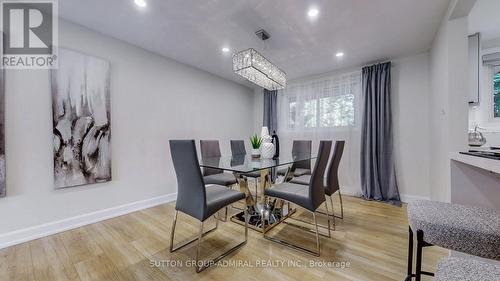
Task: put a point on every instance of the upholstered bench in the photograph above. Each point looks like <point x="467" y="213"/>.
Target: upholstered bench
<point x="458" y="269"/>
<point x="471" y="230"/>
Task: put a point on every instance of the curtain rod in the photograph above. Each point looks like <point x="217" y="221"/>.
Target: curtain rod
<point x="375" y="63"/>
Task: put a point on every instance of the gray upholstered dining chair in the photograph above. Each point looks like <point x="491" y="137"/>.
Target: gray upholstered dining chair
<point x="238" y="147"/>
<point x="211" y="149"/>
<point x="238" y="150"/>
<point x="197" y="200"/>
<point x="300" y="147"/>
<point x="332" y="178"/>
<point x="308" y="197"/>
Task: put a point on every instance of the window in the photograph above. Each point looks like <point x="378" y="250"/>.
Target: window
<point x="292" y="112"/>
<point x="328" y="103"/>
<point x="337" y="111"/>
<point x="310" y="114"/>
<point x="496" y="93"/>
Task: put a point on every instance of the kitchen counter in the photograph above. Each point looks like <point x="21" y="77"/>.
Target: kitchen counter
<point x="488" y="164"/>
<point x="475" y="181"/>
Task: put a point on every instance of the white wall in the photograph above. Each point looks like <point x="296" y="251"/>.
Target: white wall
<point x="484" y="18"/>
<point x="410" y="99"/>
<point x="448" y="102"/>
<point x="410" y="92"/>
<point x="153" y="99"/>
<point x="438" y="118"/>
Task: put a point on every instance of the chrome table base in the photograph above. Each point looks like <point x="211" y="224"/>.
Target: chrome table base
<point x="258" y="209"/>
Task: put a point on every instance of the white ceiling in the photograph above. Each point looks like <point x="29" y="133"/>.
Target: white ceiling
<point x="194" y="31"/>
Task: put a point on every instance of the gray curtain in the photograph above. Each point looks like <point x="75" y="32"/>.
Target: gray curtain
<point x="270" y="110"/>
<point x="378" y="174"/>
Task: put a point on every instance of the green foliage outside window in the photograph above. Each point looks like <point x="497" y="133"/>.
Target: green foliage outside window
<point x="327" y="112"/>
<point x="496" y="95"/>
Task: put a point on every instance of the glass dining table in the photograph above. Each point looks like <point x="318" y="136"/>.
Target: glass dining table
<point x="260" y="210"/>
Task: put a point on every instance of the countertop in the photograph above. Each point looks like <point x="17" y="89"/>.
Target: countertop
<point x="491" y="165"/>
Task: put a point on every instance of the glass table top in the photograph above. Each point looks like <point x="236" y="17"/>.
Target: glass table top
<point x="245" y="163"/>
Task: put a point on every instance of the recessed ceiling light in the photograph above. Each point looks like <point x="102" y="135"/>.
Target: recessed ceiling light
<point x="313" y="12"/>
<point x="140" y="3"/>
<point x="225" y="49"/>
<point x="339" y="54"/>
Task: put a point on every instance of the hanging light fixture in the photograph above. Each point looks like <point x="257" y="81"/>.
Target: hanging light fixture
<point x="254" y="67"/>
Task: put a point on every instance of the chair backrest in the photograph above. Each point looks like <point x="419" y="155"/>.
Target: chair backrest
<point x="210" y="149"/>
<point x="302" y="147"/>
<point x="191" y="193"/>
<point x="238" y="147"/>
<point x="316" y="185"/>
<point x="332" y="180"/>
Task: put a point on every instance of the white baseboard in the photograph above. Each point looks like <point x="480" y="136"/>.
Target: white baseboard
<point x="406" y="198"/>
<point x="31" y="233"/>
<point x="46" y="229"/>
<point x="351" y="192"/>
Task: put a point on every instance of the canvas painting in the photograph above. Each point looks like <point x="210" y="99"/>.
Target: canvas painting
<point x="3" y="186"/>
<point x="81" y="120"/>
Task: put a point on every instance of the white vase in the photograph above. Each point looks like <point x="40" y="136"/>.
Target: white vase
<point x="264" y="132"/>
<point x="255" y="153"/>
<point x="267" y="150"/>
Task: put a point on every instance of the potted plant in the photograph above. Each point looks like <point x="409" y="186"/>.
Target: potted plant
<point x="256" y="142"/>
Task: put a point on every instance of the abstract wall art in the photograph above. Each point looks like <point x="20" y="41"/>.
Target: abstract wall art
<point x="81" y="120"/>
<point x="3" y="186"/>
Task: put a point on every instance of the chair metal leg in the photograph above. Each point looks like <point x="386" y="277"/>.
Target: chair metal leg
<point x="233" y="205"/>
<point x="341" y="207"/>
<point x="206" y="264"/>
<point x="333" y="213"/>
<point x="293" y="246"/>
<point x="327" y="214"/>
<point x="198" y="249"/>
<point x="418" y="265"/>
<point x="182" y="245"/>
<point x="317" y="233"/>
<point x="410" y="255"/>
<point x="328" y="217"/>
<point x="226" y="209"/>
<point x="246" y="223"/>
<point x="333" y="210"/>
<point x="217" y="215"/>
<point x="174" y="222"/>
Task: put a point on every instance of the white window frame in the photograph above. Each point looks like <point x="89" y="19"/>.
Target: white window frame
<point x="317" y="98"/>
<point x="483" y="114"/>
<point x="493" y="123"/>
<point x="491" y="104"/>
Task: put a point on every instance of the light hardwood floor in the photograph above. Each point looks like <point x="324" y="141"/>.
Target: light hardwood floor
<point x="372" y="238"/>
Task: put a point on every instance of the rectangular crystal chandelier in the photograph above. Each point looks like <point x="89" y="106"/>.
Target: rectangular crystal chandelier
<point x="257" y="69"/>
